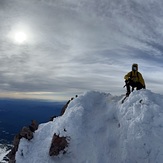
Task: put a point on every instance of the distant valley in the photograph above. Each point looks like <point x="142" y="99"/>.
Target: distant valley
<point x="14" y="114"/>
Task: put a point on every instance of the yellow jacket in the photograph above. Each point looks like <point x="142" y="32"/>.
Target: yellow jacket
<point x="135" y="76"/>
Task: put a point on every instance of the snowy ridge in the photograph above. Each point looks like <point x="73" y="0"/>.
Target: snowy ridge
<point x="102" y="130"/>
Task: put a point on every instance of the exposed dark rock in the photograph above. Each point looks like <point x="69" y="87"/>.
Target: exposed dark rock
<point x="58" y="144"/>
<point x="66" y="105"/>
<point x="11" y="154"/>
<point x="34" y="126"/>
<point x="27" y="133"/>
<point x="63" y="109"/>
<point x="51" y="118"/>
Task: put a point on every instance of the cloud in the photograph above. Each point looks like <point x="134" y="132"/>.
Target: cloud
<point x="80" y="45"/>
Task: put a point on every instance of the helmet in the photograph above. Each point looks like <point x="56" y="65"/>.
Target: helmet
<point x="134" y="67"/>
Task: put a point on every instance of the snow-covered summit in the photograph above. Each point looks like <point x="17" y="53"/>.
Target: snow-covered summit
<point x="101" y="130"/>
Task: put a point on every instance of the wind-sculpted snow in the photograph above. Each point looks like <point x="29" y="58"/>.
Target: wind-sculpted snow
<point x="141" y="118"/>
<point x="101" y="130"/>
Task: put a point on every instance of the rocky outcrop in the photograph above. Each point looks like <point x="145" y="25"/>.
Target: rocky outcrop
<point x="58" y="145"/>
<point x="27" y="133"/>
<point x="63" y="109"/>
<point x="34" y="126"/>
<point x="66" y="105"/>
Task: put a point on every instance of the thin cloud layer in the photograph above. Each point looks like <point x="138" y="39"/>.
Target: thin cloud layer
<point x="74" y="46"/>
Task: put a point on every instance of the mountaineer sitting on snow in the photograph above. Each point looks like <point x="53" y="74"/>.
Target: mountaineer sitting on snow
<point x="134" y="79"/>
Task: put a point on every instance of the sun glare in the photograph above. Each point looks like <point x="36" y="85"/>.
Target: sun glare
<point x="20" y="34"/>
<point x="20" y="37"/>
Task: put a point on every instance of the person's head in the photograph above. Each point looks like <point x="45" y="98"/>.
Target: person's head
<point x="135" y="67"/>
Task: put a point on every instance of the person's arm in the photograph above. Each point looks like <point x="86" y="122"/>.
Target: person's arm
<point x="142" y="80"/>
<point x="127" y="76"/>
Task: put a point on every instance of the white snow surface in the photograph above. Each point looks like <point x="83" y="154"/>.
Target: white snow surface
<point x="3" y="152"/>
<point x="102" y="130"/>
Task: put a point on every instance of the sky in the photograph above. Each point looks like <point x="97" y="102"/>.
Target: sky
<point x="55" y="49"/>
<point x="100" y="129"/>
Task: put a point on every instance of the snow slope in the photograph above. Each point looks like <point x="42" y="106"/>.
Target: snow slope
<point x="103" y="130"/>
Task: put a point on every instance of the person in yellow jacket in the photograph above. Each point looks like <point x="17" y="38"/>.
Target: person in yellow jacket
<point x="134" y="79"/>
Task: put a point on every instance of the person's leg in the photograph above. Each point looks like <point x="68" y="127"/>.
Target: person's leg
<point x="132" y="84"/>
<point x="139" y="86"/>
<point x="128" y="88"/>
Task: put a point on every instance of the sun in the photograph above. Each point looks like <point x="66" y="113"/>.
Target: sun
<point x="20" y="37"/>
<point x="21" y="33"/>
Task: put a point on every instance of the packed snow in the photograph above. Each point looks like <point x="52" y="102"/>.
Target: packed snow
<point x="4" y="150"/>
<point x="101" y="129"/>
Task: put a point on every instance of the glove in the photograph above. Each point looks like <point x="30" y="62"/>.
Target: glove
<point x="127" y="80"/>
